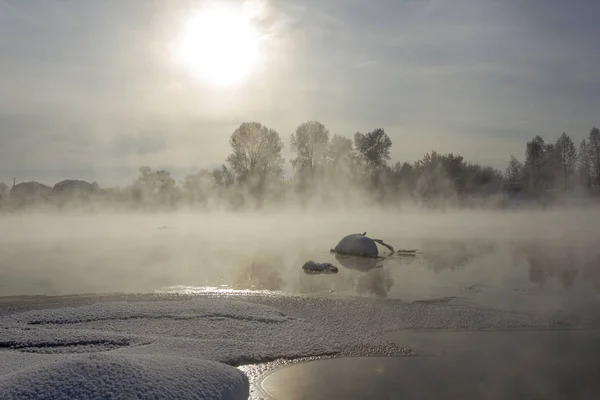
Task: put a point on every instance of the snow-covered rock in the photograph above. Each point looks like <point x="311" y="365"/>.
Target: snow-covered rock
<point x="357" y="245"/>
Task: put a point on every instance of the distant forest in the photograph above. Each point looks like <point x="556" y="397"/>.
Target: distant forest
<point x="335" y="170"/>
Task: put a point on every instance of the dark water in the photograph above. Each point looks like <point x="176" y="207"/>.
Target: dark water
<point x="553" y="364"/>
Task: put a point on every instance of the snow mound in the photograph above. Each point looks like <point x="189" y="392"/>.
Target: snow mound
<point x="358" y="245"/>
<point x="109" y="376"/>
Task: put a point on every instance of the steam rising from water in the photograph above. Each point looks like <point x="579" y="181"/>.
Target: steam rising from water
<point x="67" y="253"/>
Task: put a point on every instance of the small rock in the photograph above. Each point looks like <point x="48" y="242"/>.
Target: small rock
<point x="312" y="267"/>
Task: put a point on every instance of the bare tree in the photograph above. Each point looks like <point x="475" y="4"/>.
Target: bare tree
<point x="340" y="160"/>
<point x="404" y="178"/>
<point x="155" y="187"/>
<point x="223" y="177"/>
<point x="309" y="143"/>
<point x="374" y="150"/>
<point x="340" y="151"/>
<point x="534" y="156"/>
<point x="198" y="187"/>
<point x="256" y="155"/>
<point x="584" y="166"/>
<point x="551" y="167"/>
<point x="567" y="154"/>
<point x="514" y="171"/>
<point x="374" y="147"/>
<point x="593" y="151"/>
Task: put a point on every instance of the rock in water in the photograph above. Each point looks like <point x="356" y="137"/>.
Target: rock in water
<point x="311" y="267"/>
<point x="357" y="245"/>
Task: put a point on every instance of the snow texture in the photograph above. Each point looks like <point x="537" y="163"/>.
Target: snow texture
<point x="179" y="348"/>
<point x="102" y="376"/>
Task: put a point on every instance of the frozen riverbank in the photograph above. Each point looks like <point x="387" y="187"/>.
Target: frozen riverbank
<point x="47" y="340"/>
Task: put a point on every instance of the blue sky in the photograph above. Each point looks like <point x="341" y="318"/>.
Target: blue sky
<point x="89" y="89"/>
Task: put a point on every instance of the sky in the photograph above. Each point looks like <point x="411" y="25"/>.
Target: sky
<point x="91" y="90"/>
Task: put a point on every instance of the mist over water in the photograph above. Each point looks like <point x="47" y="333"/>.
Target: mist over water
<point x="483" y="255"/>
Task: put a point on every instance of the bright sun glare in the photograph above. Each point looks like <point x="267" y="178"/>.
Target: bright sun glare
<point x="220" y="44"/>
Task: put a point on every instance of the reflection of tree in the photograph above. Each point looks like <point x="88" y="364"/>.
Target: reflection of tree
<point x="440" y="255"/>
<point x="567" y="277"/>
<point x="552" y="261"/>
<point x="263" y="273"/>
<point x="377" y="282"/>
<point x="537" y="275"/>
<point x="591" y="271"/>
<point x="361" y="275"/>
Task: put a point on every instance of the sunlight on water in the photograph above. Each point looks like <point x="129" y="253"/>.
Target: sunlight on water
<point x="223" y="290"/>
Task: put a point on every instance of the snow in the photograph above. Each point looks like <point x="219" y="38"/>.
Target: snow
<point x="189" y="348"/>
<point x="357" y="244"/>
<point x="148" y="376"/>
<point x="123" y="310"/>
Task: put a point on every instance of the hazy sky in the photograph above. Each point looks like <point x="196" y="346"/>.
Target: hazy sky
<point x="89" y="89"/>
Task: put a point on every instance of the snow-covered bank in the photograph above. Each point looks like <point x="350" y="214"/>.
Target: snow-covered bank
<point x="124" y="376"/>
<point x="178" y="349"/>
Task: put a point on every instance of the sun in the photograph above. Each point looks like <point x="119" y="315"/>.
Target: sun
<point x="219" y="43"/>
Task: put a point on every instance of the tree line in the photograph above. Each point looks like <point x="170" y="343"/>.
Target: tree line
<point x="336" y="169"/>
<point x="559" y="165"/>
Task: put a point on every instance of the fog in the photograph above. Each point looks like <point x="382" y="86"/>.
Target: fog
<point x="51" y="253"/>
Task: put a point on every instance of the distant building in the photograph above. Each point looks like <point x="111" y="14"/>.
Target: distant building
<point x="72" y="189"/>
<point x="29" y="192"/>
<point x="74" y="186"/>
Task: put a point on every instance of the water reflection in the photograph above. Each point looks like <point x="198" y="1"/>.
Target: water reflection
<point x="500" y="265"/>
<point x="534" y="364"/>
<point x="443" y="255"/>
<point x="377" y="282"/>
<point x="569" y="264"/>
<point x="591" y="274"/>
<point x="363" y="264"/>
<point x="263" y="272"/>
<point x="372" y="279"/>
